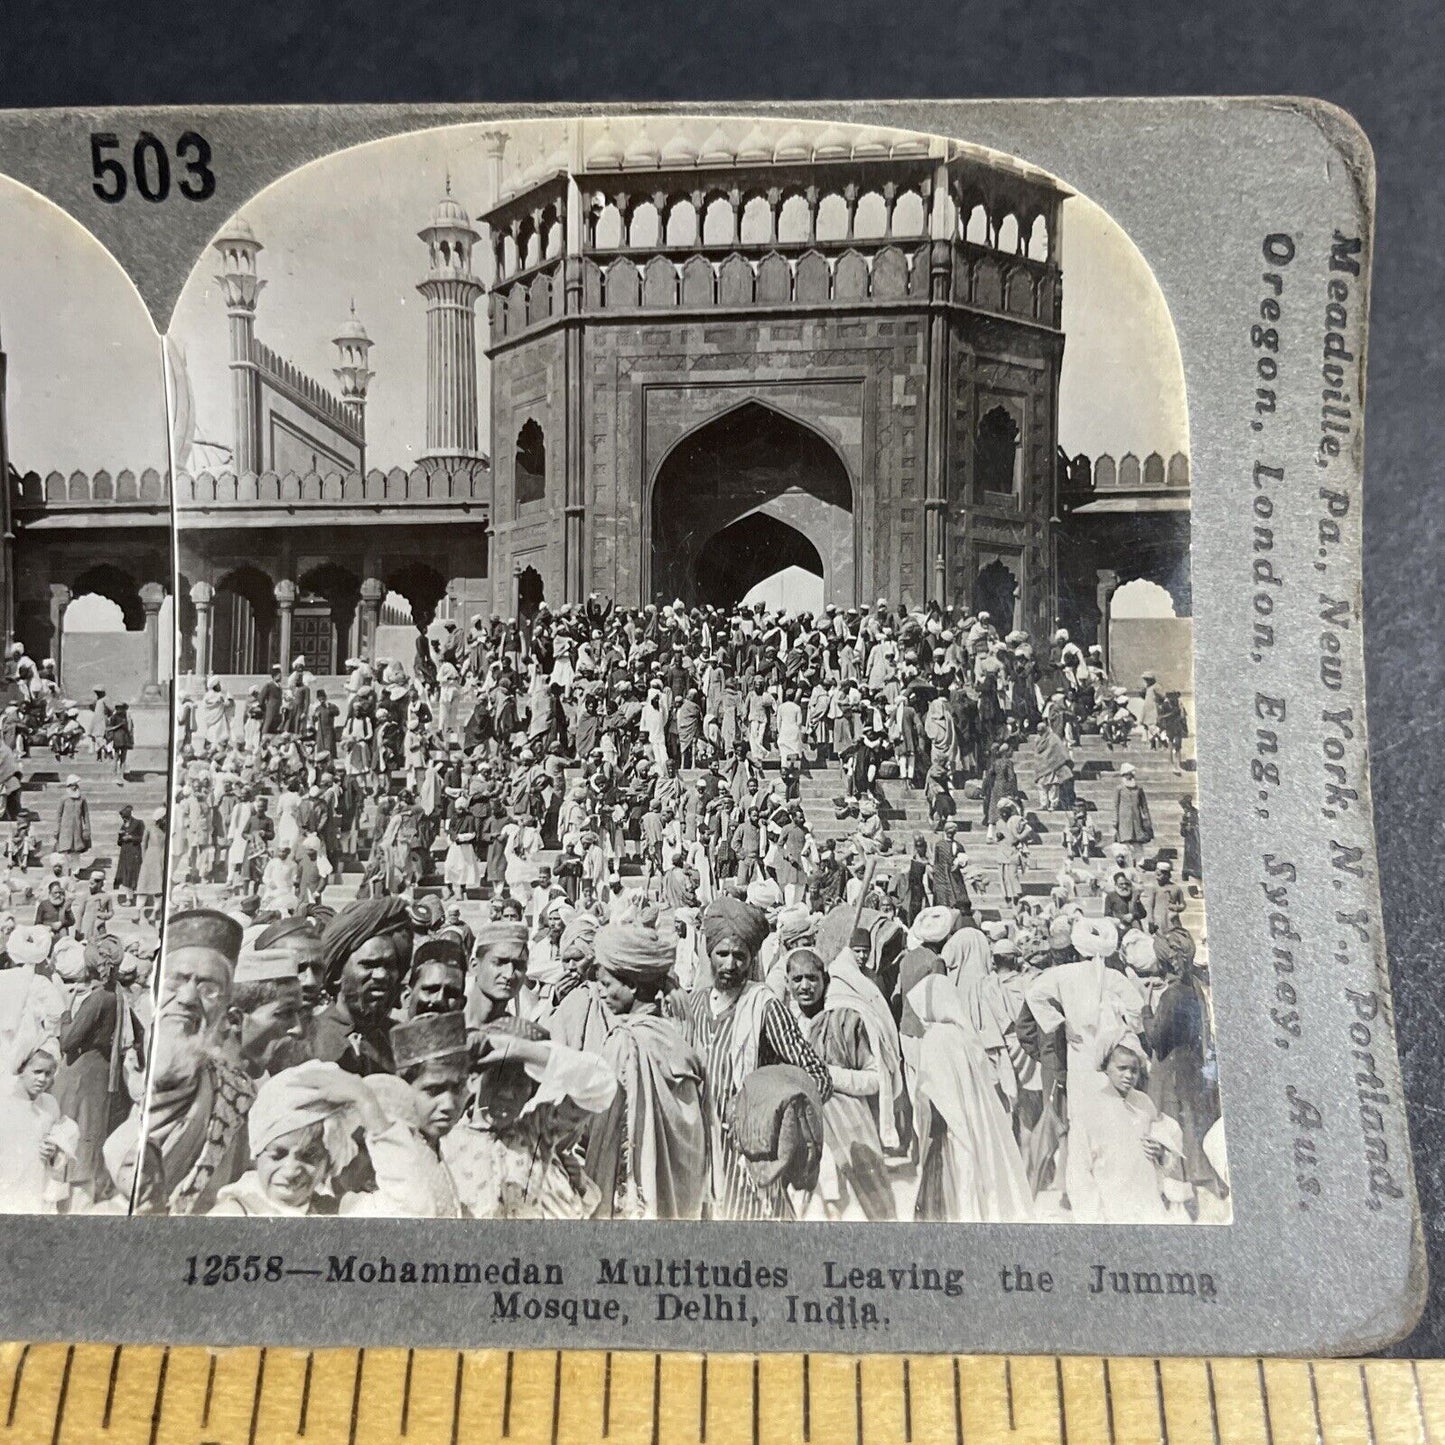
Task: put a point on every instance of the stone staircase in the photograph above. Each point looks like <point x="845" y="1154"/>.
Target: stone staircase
<point x="144" y="787"/>
<point x="905" y="815"/>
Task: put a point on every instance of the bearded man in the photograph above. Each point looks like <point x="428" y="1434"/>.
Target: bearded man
<point x="195" y="1142"/>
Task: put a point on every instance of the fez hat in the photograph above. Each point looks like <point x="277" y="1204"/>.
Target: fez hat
<point x="439" y="948"/>
<point x="432" y="1036"/>
<point x="205" y="928"/>
<point x="266" y="965"/>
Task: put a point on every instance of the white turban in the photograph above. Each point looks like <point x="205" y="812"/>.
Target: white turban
<point x="310" y="1093"/>
<point x="1094" y="937"/>
<point x="933" y="925"/>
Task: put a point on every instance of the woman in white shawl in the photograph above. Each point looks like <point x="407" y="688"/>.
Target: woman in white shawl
<point x="278" y="893"/>
<point x="1125" y="1157"/>
<point x="846" y="1019"/>
<point x="36" y="1141"/>
<point x="971" y="1170"/>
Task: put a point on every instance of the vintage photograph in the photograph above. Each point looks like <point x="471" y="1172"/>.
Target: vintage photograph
<point x="85" y="608"/>
<point x="685" y="693"/>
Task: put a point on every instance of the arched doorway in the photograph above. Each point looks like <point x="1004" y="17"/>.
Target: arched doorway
<point x="243" y="622"/>
<point x="115" y="586"/>
<point x="752" y="551"/>
<point x="996" y="591"/>
<point x="529" y="592"/>
<point x="752" y="462"/>
<point x="325" y="610"/>
<point x="423" y="587"/>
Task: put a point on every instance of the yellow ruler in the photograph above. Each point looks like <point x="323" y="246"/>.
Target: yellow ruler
<point x="79" y="1394"/>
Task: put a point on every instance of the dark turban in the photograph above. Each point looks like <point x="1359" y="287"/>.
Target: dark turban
<point x="104" y="954"/>
<point x="728" y="917"/>
<point x="777" y="1125"/>
<point x="634" y="954"/>
<point x="357" y="924"/>
<point x="1175" y="949"/>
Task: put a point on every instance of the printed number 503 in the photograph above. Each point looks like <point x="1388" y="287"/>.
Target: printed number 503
<point x="232" y="1268"/>
<point x="150" y="167"/>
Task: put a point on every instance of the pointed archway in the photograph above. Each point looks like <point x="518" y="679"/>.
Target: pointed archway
<point x="749" y="552"/>
<point x="753" y="465"/>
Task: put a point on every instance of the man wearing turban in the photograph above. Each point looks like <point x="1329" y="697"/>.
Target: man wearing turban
<point x="736" y="1026"/>
<point x="648" y="1152"/>
<point x="365" y="950"/>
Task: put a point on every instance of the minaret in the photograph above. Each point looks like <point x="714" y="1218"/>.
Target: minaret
<point x="451" y="292"/>
<point x="238" y="248"/>
<point x="353" y="373"/>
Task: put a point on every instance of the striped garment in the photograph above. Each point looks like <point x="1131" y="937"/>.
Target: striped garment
<point x="734" y="1194"/>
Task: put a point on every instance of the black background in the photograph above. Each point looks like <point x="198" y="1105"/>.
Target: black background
<point x="1381" y="61"/>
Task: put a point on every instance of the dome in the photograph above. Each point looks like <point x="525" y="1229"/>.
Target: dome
<point x="606" y="155"/>
<point x="755" y="149"/>
<point x="450" y="214"/>
<point x="642" y="154"/>
<point x="237" y="231"/>
<point x="793" y="146"/>
<point x="871" y="146"/>
<point x="678" y="153"/>
<point x="352" y="330"/>
<point x="717" y="149"/>
<point x="835" y="144"/>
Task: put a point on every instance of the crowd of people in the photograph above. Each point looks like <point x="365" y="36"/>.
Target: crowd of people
<point x="546" y="924"/>
<point x="78" y="941"/>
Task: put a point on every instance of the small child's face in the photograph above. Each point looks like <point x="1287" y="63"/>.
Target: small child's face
<point x="292" y="1168"/>
<point x="442" y="1086"/>
<point x="1123" y="1071"/>
<point x="503" y="1095"/>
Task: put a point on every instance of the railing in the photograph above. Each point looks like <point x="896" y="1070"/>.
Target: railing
<point x="1082" y="478"/>
<point x="85" y="491"/>
<point x="810" y="274"/>
<point x="421" y="485"/>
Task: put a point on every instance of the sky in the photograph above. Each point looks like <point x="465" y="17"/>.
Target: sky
<point x="84" y="367"/>
<point x="343" y="229"/>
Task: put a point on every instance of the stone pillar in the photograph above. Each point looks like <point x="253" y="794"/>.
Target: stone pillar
<point x="285" y="593"/>
<point x="574" y="536"/>
<point x="1107" y="586"/>
<point x="373" y="594"/>
<point x="935" y="499"/>
<point x="202" y="595"/>
<point x="152" y="595"/>
<point x="60" y="596"/>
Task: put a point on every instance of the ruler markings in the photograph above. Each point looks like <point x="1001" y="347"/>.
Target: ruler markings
<point x="507" y="1397"/>
<point x="1425" y="1434"/>
<point x="457" y="1399"/>
<point x="607" y="1395"/>
<point x="160" y="1402"/>
<point x="305" y="1410"/>
<point x="556" y="1395"/>
<point x="757" y="1369"/>
<point x="15" y="1387"/>
<point x="1368" y="1407"/>
<point x="807" y="1400"/>
<point x="110" y="1388"/>
<point x="64" y="1393"/>
<point x="210" y="1392"/>
<point x="1063" y="1409"/>
<point x="702" y="1406"/>
<point x="1109" y="1400"/>
<point x="957" y="1406"/>
<point x="256" y="1396"/>
<point x="656" y="1399"/>
<point x="406" y="1394"/>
